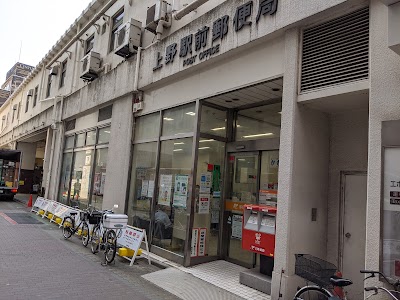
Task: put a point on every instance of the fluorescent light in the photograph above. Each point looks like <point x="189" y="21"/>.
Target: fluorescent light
<point x="168" y="119"/>
<point x="279" y="112"/>
<point x="177" y="150"/>
<point x="256" y="135"/>
<point x="237" y="126"/>
<point x="180" y="143"/>
<point x="190" y="113"/>
<point x="219" y="128"/>
<point x="202" y="141"/>
<point x="201" y="148"/>
<point x="241" y="159"/>
<point x="106" y="131"/>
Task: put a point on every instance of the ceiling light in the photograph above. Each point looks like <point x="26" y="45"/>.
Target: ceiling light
<point x="279" y="112"/>
<point x="219" y="128"/>
<point x="256" y="135"/>
<point x="180" y="143"/>
<point x="106" y="131"/>
<point x="241" y="159"/>
<point x="202" y="141"/>
<point x="204" y="148"/>
<point x="168" y="119"/>
<point x="177" y="150"/>
<point x="237" y="125"/>
<point x="190" y="113"/>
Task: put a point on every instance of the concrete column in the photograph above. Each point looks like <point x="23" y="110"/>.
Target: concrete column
<point x="28" y="155"/>
<point x="383" y="106"/>
<point x="46" y="162"/>
<point x="303" y="178"/>
<point x="119" y="153"/>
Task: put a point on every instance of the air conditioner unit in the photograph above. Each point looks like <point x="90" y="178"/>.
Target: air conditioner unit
<point x="128" y="38"/>
<point x="30" y="93"/>
<point x="155" y="13"/>
<point x="54" y="70"/>
<point x="138" y="106"/>
<point x="90" y="66"/>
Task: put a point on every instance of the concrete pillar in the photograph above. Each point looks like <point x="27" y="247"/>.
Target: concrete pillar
<point x="46" y="162"/>
<point x="119" y="153"/>
<point x="383" y="106"/>
<point x="303" y="178"/>
<point x="28" y="155"/>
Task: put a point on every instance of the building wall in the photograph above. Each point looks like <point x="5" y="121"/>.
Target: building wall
<point x="383" y="101"/>
<point x="348" y="152"/>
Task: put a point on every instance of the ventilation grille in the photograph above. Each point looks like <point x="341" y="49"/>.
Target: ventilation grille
<point x="105" y="113"/>
<point x="70" y="125"/>
<point x="336" y="52"/>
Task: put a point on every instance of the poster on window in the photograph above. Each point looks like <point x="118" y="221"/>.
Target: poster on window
<point x="204" y="204"/>
<point x="145" y="188"/>
<point x="164" y="197"/>
<point x="150" y="190"/>
<point x="202" y="242"/>
<point x="391" y="212"/>
<point x="237" y="226"/>
<point x="205" y="182"/>
<point x="180" y="190"/>
<point x="84" y="187"/>
<point x="102" y="183"/>
<point x="194" y="244"/>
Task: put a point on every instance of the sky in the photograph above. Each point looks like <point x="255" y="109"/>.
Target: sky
<point x="38" y="24"/>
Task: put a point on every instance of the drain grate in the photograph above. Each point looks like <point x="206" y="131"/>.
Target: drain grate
<point x="23" y="218"/>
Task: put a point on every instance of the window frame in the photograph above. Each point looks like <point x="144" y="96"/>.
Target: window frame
<point x="63" y="73"/>
<point x="116" y="24"/>
<point x="35" y="95"/>
<point x="89" y="44"/>
<point x="27" y="104"/>
<point x="49" y="82"/>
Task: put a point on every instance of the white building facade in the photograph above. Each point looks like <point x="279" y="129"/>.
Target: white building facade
<point x="288" y="103"/>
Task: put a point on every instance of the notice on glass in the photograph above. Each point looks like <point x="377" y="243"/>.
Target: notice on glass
<point x="205" y="182"/>
<point x="145" y="188"/>
<point x="202" y="242"/>
<point x="237" y="221"/>
<point x="102" y="183"/>
<point x="150" y="191"/>
<point x="181" y="190"/>
<point x="164" y="197"/>
<point x="204" y="204"/>
<point x="194" y="244"/>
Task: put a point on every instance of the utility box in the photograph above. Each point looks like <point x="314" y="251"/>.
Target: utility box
<point x="258" y="234"/>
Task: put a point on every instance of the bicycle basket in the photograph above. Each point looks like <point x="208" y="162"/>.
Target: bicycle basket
<point x="94" y="218"/>
<point x="313" y="269"/>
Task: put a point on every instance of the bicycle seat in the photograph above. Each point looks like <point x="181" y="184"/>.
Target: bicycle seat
<point x="73" y="213"/>
<point x="341" y="282"/>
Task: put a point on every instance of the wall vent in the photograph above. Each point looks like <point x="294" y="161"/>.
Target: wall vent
<point x="336" y="52"/>
<point x="70" y="125"/>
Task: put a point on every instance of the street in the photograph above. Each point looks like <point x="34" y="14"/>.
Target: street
<point x="37" y="263"/>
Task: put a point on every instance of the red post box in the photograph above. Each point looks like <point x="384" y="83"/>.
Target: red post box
<point x="259" y="229"/>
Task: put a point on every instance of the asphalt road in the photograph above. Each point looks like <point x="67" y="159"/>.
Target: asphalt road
<point x="37" y="263"/>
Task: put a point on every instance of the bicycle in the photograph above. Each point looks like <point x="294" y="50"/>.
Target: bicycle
<point x="375" y="289"/>
<point x="324" y="275"/>
<point x="69" y="227"/>
<point x="104" y="236"/>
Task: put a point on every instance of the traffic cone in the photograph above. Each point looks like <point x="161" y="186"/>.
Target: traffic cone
<point x="30" y="201"/>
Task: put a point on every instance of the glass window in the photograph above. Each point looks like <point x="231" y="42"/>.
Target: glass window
<point x="63" y="72"/>
<point x="81" y="178"/>
<point x="27" y="103"/>
<point x="89" y="44"/>
<point x="99" y="177"/>
<point x="117" y="24"/>
<point x="179" y="120"/>
<point x="91" y="138"/>
<point x="104" y="135"/>
<point x="147" y="127"/>
<point x="210" y="166"/>
<point x="173" y="203"/>
<point x="141" y="191"/>
<point x="65" y="178"/>
<point x="69" y="142"/>
<point x="213" y="121"/>
<point x="259" y="122"/>
<point x="80" y="140"/>
<point x="48" y="90"/>
<point x="269" y="178"/>
<point x="35" y="95"/>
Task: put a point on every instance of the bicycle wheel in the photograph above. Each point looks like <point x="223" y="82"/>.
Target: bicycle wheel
<point x="68" y="227"/>
<point x="312" y="293"/>
<point x="85" y="234"/>
<point x="111" y="246"/>
<point x="95" y="244"/>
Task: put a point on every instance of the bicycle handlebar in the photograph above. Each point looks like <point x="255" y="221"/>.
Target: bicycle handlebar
<point x="372" y="274"/>
<point x="371" y="288"/>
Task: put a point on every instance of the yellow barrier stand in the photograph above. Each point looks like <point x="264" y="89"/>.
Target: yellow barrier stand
<point x="41" y="212"/>
<point x="128" y="252"/>
<point x="49" y="216"/>
<point x="58" y="220"/>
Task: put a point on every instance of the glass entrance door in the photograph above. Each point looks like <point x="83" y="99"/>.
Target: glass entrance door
<point x="242" y="187"/>
<point x="252" y="178"/>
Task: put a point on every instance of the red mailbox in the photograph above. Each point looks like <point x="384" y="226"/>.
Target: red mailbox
<point x="259" y="229"/>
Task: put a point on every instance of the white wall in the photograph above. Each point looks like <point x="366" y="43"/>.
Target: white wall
<point x="28" y="155"/>
<point x="348" y="152"/>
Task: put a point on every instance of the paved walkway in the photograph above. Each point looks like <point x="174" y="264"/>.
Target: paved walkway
<point x="37" y="263"/>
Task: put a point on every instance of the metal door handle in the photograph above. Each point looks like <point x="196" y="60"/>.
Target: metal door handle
<point x="348" y="235"/>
